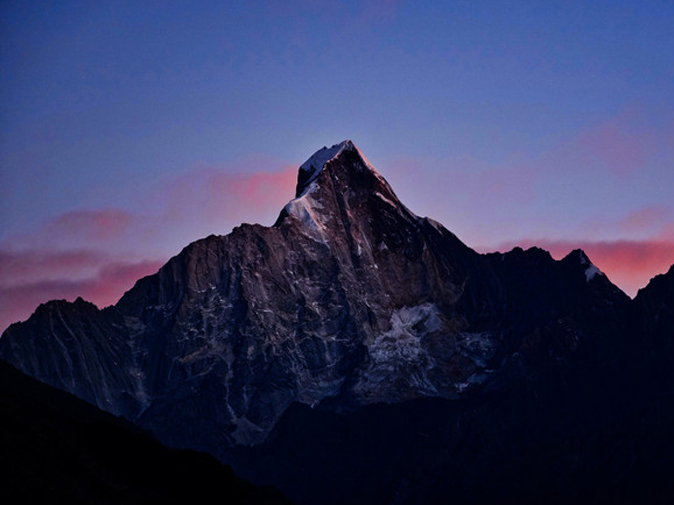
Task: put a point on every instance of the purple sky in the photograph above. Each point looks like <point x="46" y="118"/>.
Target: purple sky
<point x="129" y="129"/>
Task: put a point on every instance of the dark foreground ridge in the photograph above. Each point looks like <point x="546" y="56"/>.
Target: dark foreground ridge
<point x="371" y="350"/>
<point x="57" y="449"/>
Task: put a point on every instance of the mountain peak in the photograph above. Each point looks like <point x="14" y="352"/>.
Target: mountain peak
<point x="310" y="169"/>
<point x="338" y="181"/>
<point x="589" y="268"/>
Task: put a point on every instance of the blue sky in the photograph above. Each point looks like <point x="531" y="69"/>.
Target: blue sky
<point x="128" y="129"/>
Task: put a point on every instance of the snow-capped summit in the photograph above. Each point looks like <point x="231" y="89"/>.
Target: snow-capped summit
<point x="310" y="169"/>
<point x="336" y="187"/>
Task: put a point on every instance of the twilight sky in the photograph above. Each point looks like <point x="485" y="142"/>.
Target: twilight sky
<point x="130" y="128"/>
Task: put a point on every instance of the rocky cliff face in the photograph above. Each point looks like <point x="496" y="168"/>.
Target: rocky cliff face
<point x="348" y="300"/>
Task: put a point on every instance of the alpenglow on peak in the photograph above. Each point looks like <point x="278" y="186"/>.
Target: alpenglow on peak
<point x="338" y="182"/>
<point x="310" y="169"/>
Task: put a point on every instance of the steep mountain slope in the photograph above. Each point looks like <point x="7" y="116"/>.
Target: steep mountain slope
<point x="655" y="317"/>
<point x="347" y="302"/>
<point x="55" y="448"/>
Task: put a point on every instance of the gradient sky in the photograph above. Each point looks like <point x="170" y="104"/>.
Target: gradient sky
<point x="130" y="128"/>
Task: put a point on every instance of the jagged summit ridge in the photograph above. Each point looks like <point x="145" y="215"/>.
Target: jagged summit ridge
<point x="591" y="270"/>
<point x="310" y="169"/>
<point x="339" y="182"/>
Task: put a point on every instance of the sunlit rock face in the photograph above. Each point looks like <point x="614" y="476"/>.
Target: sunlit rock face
<point x="349" y="299"/>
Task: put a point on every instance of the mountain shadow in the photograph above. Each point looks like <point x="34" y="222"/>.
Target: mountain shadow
<point x="58" y="449"/>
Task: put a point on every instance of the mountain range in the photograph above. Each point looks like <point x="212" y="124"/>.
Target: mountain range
<point x="354" y="352"/>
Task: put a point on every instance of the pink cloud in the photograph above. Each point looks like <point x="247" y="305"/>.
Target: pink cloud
<point x="95" y="224"/>
<point x="30" y="277"/>
<point x="201" y="202"/>
<point x="28" y="266"/>
<point x="258" y="189"/>
<point x="114" y="279"/>
<point x="630" y="264"/>
<point x="645" y="219"/>
<point x="78" y="230"/>
<point x="210" y="201"/>
<point x="171" y="214"/>
<point x="103" y="288"/>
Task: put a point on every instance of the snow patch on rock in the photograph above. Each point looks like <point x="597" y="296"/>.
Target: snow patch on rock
<point x="591" y="272"/>
<point x="305" y="210"/>
<point x="403" y="341"/>
<point x="318" y="160"/>
<point x="398" y="355"/>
